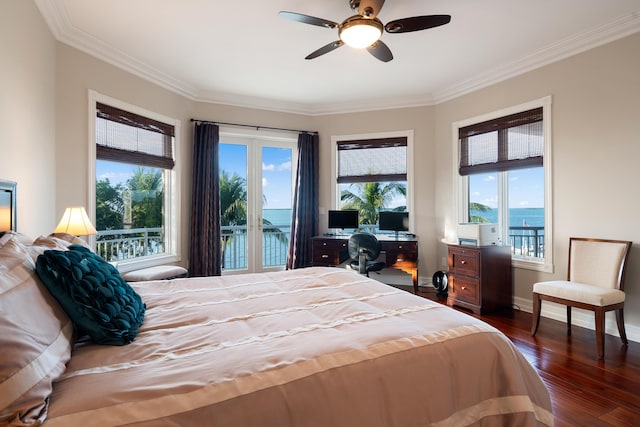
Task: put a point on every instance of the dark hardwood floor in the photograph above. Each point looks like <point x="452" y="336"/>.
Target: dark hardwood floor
<point x="584" y="391"/>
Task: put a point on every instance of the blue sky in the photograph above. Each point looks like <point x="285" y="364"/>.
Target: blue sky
<point x="276" y="171"/>
<point x="526" y="189"/>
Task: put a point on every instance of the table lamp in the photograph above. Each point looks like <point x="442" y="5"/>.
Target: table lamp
<point x="75" y="221"/>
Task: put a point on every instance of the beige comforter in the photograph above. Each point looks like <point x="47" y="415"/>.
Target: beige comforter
<point x="310" y="347"/>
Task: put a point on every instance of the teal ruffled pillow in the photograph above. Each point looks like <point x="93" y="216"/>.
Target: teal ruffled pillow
<point x="94" y="295"/>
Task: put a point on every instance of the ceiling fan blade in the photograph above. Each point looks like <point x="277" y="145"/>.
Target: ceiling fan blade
<point x="370" y="8"/>
<point x="416" y="23"/>
<point x="325" y="49"/>
<point x="380" y="51"/>
<point x="306" y="19"/>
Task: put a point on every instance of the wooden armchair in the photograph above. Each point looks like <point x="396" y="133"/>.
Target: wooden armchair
<point x="595" y="281"/>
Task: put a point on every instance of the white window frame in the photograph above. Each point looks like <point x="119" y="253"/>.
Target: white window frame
<point x="461" y="183"/>
<point x="335" y="195"/>
<point x="171" y="178"/>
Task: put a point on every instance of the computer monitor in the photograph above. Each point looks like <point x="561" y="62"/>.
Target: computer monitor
<point x="343" y="219"/>
<point x="393" y="221"/>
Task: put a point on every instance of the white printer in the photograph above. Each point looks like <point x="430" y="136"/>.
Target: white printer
<point x="478" y="234"/>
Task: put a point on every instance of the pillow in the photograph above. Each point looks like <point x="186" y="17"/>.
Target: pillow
<point x="35" y="338"/>
<point x="92" y="292"/>
<point x="42" y="244"/>
<point x="13" y="235"/>
<point x="68" y="239"/>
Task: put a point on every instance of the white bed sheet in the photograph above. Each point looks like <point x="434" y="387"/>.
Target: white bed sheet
<point x="308" y="347"/>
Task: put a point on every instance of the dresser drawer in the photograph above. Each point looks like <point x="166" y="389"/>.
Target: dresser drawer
<point x="329" y="252"/>
<point x="465" y="289"/>
<point x="464" y="261"/>
<point x="400" y="253"/>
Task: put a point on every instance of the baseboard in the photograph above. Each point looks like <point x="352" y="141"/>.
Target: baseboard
<point x="582" y="318"/>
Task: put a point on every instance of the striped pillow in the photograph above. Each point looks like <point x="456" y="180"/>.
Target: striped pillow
<point x="35" y="337"/>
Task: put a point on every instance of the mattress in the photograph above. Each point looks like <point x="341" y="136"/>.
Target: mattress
<point x="308" y="347"/>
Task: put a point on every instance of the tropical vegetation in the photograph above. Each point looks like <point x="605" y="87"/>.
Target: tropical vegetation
<point x="475" y="208"/>
<point x="136" y="204"/>
<point x="368" y="198"/>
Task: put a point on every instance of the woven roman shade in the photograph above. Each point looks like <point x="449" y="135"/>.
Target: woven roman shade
<point x="506" y="143"/>
<point x="126" y="137"/>
<point x="372" y="160"/>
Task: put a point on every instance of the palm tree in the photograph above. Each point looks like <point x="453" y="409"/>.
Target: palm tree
<point x="233" y="199"/>
<point x="233" y="208"/>
<point x="145" y="186"/>
<point x="478" y="207"/>
<point x="370" y="197"/>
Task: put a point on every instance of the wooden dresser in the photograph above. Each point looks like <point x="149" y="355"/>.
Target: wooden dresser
<point x="400" y="253"/>
<point x="480" y="278"/>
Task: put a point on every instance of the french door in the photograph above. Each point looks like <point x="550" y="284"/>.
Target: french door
<point x="257" y="174"/>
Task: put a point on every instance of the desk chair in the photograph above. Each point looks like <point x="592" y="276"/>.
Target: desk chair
<point x="364" y="249"/>
<point x="595" y="281"/>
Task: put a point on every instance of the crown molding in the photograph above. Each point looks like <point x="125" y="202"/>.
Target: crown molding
<point x="63" y="30"/>
<point x="315" y="109"/>
<point x="619" y="28"/>
<point x="57" y="19"/>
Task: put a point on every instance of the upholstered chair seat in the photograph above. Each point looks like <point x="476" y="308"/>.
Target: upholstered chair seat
<point x="595" y="281"/>
<point x="575" y="291"/>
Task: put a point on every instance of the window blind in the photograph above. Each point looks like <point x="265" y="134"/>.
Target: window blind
<point x="506" y="143"/>
<point x="372" y="160"/>
<point x="126" y="137"/>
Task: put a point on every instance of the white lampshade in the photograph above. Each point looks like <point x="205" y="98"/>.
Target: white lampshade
<point x="75" y="221"/>
<point x="360" y="32"/>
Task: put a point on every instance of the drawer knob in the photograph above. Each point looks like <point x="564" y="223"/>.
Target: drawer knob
<point x="324" y="243"/>
<point x="325" y="256"/>
<point x="463" y="288"/>
<point x="463" y="262"/>
<point x="400" y="247"/>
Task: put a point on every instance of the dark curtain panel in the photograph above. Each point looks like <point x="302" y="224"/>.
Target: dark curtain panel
<point x="205" y="258"/>
<point x="304" y="223"/>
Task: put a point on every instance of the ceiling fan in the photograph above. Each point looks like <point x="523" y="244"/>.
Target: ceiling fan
<point x="365" y="29"/>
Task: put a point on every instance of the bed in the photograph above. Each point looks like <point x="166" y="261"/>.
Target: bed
<point x="308" y="347"/>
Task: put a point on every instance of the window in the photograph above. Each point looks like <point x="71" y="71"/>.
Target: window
<point x="134" y="180"/>
<point x="373" y="174"/>
<point x="257" y="174"/>
<point x="504" y="178"/>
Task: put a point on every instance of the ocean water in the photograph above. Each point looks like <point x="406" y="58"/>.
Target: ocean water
<point x="518" y="217"/>
<point x="278" y="217"/>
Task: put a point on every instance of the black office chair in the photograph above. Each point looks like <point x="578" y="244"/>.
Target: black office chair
<point x="364" y="249"/>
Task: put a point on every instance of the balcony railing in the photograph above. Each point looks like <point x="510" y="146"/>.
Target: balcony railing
<point x="119" y="245"/>
<point x="527" y="241"/>
<point x="275" y="246"/>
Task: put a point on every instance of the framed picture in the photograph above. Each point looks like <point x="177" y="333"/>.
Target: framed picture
<point x="8" y="191"/>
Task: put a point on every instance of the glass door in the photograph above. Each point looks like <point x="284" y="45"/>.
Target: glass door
<point x="256" y="188"/>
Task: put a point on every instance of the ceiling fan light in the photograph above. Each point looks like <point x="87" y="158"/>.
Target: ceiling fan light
<point x="360" y="32"/>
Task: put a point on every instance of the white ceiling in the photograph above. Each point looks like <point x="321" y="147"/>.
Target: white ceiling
<point x="243" y="53"/>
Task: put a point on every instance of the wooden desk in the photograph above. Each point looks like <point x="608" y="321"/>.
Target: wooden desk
<point x="400" y="254"/>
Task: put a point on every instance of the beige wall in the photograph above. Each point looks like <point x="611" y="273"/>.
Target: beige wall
<point x="595" y="139"/>
<point x="28" y="114"/>
<point x="420" y="121"/>
<point x="596" y="148"/>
